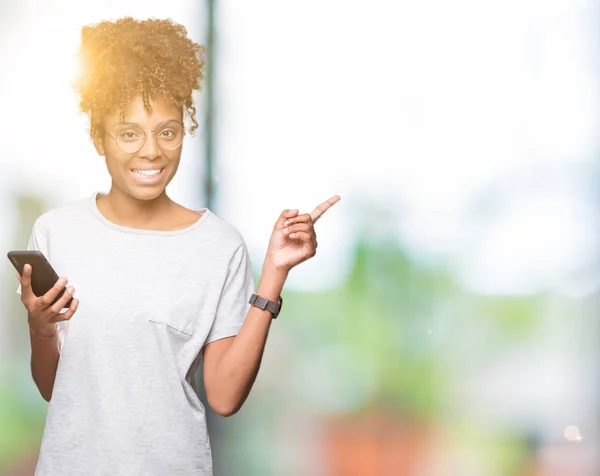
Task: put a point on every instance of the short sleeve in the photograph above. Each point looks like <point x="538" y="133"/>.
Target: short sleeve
<point x="38" y="240"/>
<point x="233" y="304"/>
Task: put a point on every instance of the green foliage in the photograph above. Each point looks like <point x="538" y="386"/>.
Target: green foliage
<point x="391" y="319"/>
<point x="21" y="424"/>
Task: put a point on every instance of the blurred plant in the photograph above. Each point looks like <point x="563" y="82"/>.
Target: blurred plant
<point x="372" y="333"/>
<point x="21" y="422"/>
<point x="383" y="338"/>
<point x="22" y="409"/>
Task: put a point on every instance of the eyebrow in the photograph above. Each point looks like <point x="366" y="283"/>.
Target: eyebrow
<point x="137" y="125"/>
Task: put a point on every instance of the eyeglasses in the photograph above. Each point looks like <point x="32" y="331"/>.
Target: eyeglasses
<point x="131" y="138"/>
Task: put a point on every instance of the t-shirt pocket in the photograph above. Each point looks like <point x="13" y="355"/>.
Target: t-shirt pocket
<point x="178" y="310"/>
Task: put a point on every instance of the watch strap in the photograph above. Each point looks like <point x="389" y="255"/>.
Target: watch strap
<point x="266" y="304"/>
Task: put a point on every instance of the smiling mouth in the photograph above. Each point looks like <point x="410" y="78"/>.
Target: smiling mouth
<point x="147" y="173"/>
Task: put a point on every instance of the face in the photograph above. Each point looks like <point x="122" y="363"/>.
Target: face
<point x="146" y="173"/>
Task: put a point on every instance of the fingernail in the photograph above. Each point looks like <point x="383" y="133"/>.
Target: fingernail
<point x="62" y="281"/>
<point x="70" y="290"/>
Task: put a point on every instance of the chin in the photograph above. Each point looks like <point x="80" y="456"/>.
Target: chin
<point x="149" y="193"/>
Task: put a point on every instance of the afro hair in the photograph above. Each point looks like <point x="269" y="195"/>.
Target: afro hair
<point x="128" y="57"/>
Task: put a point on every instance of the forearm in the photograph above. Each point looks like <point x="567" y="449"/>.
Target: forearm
<point x="236" y="370"/>
<point x="44" y="361"/>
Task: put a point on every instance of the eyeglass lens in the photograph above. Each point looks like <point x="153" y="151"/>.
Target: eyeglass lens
<point x="131" y="139"/>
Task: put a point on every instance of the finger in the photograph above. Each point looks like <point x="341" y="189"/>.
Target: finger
<point x="286" y="214"/>
<point x="301" y="236"/>
<point x="65" y="316"/>
<point x="304" y="218"/>
<point x="309" y="242"/>
<point x="306" y="227"/>
<point x="326" y="205"/>
<point x="64" y="299"/>
<point x="26" y="291"/>
<point x="47" y="299"/>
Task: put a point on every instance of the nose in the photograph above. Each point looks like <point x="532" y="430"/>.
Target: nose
<point x="150" y="150"/>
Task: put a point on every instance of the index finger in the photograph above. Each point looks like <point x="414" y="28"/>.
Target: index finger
<point x="326" y="205"/>
<point x="48" y="298"/>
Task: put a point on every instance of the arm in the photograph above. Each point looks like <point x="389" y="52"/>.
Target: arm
<point x="231" y="364"/>
<point x="44" y="360"/>
<point x="42" y="319"/>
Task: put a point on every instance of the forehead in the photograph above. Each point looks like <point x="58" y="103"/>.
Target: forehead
<point x="136" y="113"/>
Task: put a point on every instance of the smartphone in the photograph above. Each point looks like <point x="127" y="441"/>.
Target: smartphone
<point x="43" y="276"/>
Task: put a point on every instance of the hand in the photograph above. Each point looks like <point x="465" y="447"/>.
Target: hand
<point x="41" y="315"/>
<point x="294" y="239"/>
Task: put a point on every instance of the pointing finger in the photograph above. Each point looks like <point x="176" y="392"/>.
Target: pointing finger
<point x="326" y="205"/>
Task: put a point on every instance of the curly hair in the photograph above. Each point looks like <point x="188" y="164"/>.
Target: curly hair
<point x="127" y="57"/>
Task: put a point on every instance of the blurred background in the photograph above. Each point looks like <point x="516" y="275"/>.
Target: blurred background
<point x="448" y="325"/>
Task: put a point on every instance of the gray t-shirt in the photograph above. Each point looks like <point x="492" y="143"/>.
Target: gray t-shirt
<point x="123" y="401"/>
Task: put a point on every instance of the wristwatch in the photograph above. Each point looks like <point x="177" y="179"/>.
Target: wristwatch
<point x="266" y="304"/>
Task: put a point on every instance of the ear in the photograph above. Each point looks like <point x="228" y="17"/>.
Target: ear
<point x="99" y="141"/>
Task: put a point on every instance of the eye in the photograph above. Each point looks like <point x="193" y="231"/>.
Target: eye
<point x="128" y="135"/>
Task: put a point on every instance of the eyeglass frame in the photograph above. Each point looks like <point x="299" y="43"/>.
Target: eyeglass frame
<point x="146" y="136"/>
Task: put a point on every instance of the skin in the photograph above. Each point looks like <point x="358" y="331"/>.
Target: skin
<point x="129" y="203"/>
<point x="230" y="364"/>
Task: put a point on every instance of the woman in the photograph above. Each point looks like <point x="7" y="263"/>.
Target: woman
<point x="159" y="288"/>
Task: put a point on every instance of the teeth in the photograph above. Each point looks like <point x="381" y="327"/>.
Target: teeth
<point x="147" y="173"/>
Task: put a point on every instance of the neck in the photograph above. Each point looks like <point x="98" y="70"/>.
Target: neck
<point x="125" y="210"/>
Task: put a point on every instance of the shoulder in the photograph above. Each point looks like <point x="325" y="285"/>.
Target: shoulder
<point x="224" y="232"/>
<point x="61" y="216"/>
